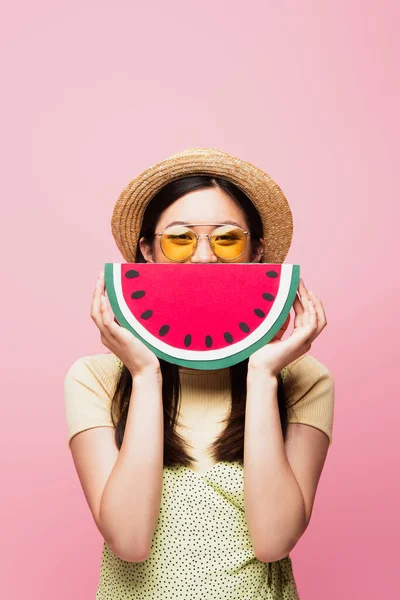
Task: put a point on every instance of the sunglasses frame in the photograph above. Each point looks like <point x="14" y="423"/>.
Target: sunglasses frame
<point x="188" y="225"/>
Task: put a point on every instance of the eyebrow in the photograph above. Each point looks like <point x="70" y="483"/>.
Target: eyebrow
<point x="216" y="223"/>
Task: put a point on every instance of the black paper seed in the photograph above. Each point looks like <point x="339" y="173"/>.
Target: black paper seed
<point x="188" y="340"/>
<point x="209" y="341"/>
<point x="244" y="327"/>
<point x="269" y="297"/>
<point x="164" y="330"/>
<point x="228" y="337"/>
<point x="259" y="312"/>
<point x="272" y="274"/>
<point x="146" y="314"/>
<point x="138" y="294"/>
<point x="131" y="274"/>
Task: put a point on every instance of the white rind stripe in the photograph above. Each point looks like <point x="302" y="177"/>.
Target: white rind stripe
<point x="184" y="353"/>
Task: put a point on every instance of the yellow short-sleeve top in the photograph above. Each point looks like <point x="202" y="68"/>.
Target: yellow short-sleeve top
<point x="201" y="548"/>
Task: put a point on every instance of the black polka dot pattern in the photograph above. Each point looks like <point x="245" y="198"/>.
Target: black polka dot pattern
<point x="201" y="548"/>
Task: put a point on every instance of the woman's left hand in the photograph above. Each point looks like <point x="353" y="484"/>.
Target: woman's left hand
<point x="310" y="320"/>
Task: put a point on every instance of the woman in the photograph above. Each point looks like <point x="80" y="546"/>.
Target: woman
<point x="217" y="521"/>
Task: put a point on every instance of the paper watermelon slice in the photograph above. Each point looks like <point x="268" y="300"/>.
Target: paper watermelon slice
<point x="202" y="316"/>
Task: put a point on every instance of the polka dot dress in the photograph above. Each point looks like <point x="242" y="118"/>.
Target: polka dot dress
<point x="201" y="548"/>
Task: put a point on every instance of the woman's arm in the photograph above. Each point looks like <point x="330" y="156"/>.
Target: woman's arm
<point x="274" y="503"/>
<point x="131" y="499"/>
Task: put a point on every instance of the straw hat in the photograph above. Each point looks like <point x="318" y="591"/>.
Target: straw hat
<point x="265" y="194"/>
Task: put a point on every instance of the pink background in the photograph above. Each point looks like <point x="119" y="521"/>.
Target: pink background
<point x="93" y="94"/>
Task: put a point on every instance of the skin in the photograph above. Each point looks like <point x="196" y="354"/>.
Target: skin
<point x="212" y="205"/>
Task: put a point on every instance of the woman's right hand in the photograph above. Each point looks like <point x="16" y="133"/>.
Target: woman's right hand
<point x="135" y="355"/>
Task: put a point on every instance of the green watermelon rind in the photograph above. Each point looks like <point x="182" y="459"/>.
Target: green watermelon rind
<point x="209" y="364"/>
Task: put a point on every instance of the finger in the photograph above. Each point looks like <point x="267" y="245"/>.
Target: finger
<point x="95" y="308"/>
<point x="106" y="317"/>
<point x="306" y="321"/>
<point x="110" y="325"/>
<point x="96" y="313"/>
<point x="302" y="288"/>
<point x="285" y="324"/>
<point x="298" y="305"/>
<point x="312" y="322"/>
<point x="98" y="284"/>
<point x="105" y="313"/>
<point x="312" y="313"/>
<point x="303" y="294"/>
<point x="322" y="321"/>
<point x="306" y="298"/>
<point x="109" y="322"/>
<point x="282" y="330"/>
<point x="302" y="305"/>
<point x="298" y="310"/>
<point x="305" y="315"/>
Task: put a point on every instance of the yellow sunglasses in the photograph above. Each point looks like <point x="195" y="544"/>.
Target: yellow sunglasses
<point x="178" y="242"/>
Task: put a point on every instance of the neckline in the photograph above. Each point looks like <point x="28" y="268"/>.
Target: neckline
<point x="200" y="474"/>
<point x="188" y="371"/>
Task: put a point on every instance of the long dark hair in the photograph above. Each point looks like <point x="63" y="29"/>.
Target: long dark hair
<point x="229" y="445"/>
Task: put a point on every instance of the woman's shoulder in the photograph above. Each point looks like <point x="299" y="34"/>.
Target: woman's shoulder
<point x="307" y="376"/>
<point x="89" y="386"/>
<point x="310" y="393"/>
<point x="309" y="380"/>
<point x="104" y="367"/>
<point x="306" y="366"/>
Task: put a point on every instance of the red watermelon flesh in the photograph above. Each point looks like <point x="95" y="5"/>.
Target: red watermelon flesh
<point x="249" y="299"/>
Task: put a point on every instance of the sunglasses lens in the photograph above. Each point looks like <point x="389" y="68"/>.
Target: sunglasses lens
<point x="178" y="242"/>
<point x="228" y="242"/>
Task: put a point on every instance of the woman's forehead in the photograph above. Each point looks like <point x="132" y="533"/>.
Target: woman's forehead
<point x="199" y="223"/>
<point x="203" y="206"/>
